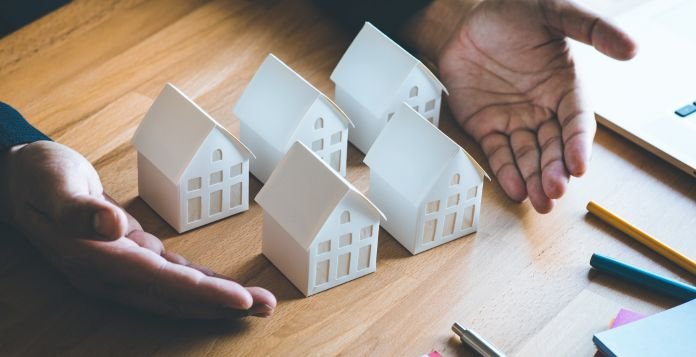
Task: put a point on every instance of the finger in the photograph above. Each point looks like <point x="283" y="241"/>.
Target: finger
<point x="578" y="129"/>
<point x="178" y="310"/>
<point x="147" y="241"/>
<point x="264" y="302"/>
<point x="554" y="176"/>
<point x="587" y="27"/>
<point x="526" y="150"/>
<point x="85" y="216"/>
<point x="496" y="146"/>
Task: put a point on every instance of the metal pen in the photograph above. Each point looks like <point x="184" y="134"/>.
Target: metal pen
<point x="476" y="342"/>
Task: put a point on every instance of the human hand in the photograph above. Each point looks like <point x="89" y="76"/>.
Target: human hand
<point x="513" y="88"/>
<point x="54" y="196"/>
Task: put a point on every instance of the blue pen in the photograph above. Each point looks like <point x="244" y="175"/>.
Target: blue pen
<point x="673" y="288"/>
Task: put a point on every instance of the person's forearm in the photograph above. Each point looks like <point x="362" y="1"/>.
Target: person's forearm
<point x="429" y="29"/>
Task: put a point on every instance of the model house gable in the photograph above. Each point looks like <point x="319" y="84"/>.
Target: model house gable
<point x="279" y="107"/>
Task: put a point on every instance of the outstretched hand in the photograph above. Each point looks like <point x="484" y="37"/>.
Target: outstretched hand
<point x="513" y="88"/>
<point x="54" y="196"/>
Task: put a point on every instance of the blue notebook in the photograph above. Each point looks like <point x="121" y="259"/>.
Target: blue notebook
<point x="668" y="333"/>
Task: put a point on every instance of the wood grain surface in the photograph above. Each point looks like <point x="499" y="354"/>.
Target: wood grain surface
<point x="87" y="73"/>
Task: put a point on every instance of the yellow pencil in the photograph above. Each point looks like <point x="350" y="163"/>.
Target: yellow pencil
<point x="644" y="238"/>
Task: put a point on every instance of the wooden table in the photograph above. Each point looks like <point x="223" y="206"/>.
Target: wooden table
<point x="86" y="75"/>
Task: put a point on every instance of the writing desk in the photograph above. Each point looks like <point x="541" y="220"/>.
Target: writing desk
<point x="86" y="75"/>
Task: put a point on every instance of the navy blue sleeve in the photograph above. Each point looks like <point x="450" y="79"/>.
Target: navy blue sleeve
<point x="15" y="130"/>
<point x="387" y="15"/>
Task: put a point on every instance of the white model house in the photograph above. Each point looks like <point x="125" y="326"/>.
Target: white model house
<point x="374" y="77"/>
<point x="427" y="185"/>
<point x="191" y="170"/>
<point x="318" y="229"/>
<point x="279" y="107"/>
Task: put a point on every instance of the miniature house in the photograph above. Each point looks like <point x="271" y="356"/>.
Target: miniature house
<point x="191" y="170"/>
<point x="318" y="230"/>
<point x="374" y="77"/>
<point x="427" y="185"/>
<point x="279" y="107"/>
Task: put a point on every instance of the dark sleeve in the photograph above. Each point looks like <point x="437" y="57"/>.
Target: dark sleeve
<point x="387" y="15"/>
<point x="15" y="130"/>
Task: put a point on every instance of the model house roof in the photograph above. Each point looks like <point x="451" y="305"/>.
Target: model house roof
<point x="411" y="153"/>
<point x="374" y="68"/>
<point x="173" y="130"/>
<point x="303" y="191"/>
<point x="276" y="100"/>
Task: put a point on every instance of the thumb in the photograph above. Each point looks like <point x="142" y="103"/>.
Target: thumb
<point x="90" y="217"/>
<point x="587" y="27"/>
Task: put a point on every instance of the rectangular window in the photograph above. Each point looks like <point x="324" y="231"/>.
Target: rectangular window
<point x="431" y="119"/>
<point x="471" y="193"/>
<point x="448" y="229"/>
<point x="429" y="230"/>
<point x="318" y="145"/>
<point x="336" y="137"/>
<point x="468" y="217"/>
<point x="430" y="105"/>
<point x="335" y="160"/>
<point x="216" y="202"/>
<point x="194" y="184"/>
<point x="193" y="207"/>
<point x="236" y="170"/>
<point x="216" y="177"/>
<point x="366" y="232"/>
<point x="432" y="206"/>
<point x="346" y="239"/>
<point x="453" y="200"/>
<point x="236" y="195"/>
<point x="364" y="257"/>
<point x="390" y="116"/>
<point x="415" y="107"/>
<point x="344" y="265"/>
<point x="322" y="274"/>
<point x="324" y="246"/>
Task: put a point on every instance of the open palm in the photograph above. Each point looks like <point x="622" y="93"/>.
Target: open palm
<point x="513" y="88"/>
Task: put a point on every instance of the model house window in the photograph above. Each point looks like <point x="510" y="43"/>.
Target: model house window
<point x="455" y="180"/>
<point x="448" y="229"/>
<point x="432" y="206"/>
<point x="415" y="107"/>
<point x="193" y="207"/>
<point x="324" y="246"/>
<point x="468" y="217"/>
<point x="322" y="274"/>
<point x="319" y="124"/>
<point x="471" y="193"/>
<point x="413" y="92"/>
<point x="345" y="217"/>
<point x="390" y="116"/>
<point x="318" y="145"/>
<point x="216" y="202"/>
<point x="364" y="257"/>
<point x="236" y="170"/>
<point x="236" y="195"/>
<point x="343" y="265"/>
<point x="429" y="230"/>
<point x="194" y="184"/>
<point x="216" y="177"/>
<point x="217" y="155"/>
<point x="335" y="160"/>
<point x="336" y="137"/>
<point x="430" y="119"/>
<point x="344" y="240"/>
<point x="453" y="200"/>
<point x="366" y="232"/>
<point x="430" y="105"/>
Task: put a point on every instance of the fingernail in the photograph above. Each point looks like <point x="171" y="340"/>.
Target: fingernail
<point x="261" y="310"/>
<point x="101" y="222"/>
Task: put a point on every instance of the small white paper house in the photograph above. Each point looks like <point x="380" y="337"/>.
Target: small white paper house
<point x="191" y="170"/>
<point x="427" y="185"/>
<point x="374" y="77"/>
<point x="318" y="229"/>
<point x="279" y="107"/>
